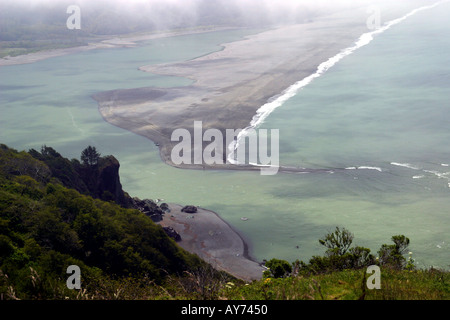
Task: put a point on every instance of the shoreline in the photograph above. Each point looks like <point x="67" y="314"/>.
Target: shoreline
<point x="117" y="41"/>
<point x="231" y="85"/>
<point x="214" y="240"/>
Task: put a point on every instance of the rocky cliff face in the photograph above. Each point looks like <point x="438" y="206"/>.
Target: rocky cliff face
<point x="98" y="178"/>
<point x="108" y="186"/>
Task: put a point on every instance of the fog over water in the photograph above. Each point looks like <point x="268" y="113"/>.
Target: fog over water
<point x="121" y="16"/>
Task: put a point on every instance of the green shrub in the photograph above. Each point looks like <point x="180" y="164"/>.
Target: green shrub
<point x="279" y="268"/>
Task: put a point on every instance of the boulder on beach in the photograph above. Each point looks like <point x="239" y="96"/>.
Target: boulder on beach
<point x="149" y="208"/>
<point x="164" y="207"/>
<point x="189" y="209"/>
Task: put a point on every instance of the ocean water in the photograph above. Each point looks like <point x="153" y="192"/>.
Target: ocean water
<point x="381" y="114"/>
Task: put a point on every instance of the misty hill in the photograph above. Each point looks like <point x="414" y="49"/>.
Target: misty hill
<point x="40" y="20"/>
<point x="33" y="25"/>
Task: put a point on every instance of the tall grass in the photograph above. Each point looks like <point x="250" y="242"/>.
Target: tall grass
<point x="348" y="285"/>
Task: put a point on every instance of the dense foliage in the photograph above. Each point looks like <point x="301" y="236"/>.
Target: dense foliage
<point x="340" y="254"/>
<point x="95" y="175"/>
<point x="342" y="273"/>
<point x="45" y="227"/>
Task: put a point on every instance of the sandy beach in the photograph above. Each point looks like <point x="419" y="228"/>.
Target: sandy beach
<point x="212" y="239"/>
<point x="230" y="85"/>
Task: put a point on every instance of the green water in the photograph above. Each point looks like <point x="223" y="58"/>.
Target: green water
<point x="387" y="102"/>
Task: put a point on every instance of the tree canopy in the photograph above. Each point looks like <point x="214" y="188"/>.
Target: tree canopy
<point x="45" y="227"/>
<point x="90" y="156"/>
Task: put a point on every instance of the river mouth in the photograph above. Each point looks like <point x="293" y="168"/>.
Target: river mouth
<point x="372" y="110"/>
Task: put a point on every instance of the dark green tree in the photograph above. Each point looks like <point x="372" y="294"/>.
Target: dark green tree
<point x="90" y="157"/>
<point x="339" y="254"/>
<point x="337" y="242"/>
<point x="392" y="255"/>
<point x="279" y="268"/>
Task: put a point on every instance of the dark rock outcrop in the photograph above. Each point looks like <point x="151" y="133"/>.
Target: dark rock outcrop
<point x="164" y="207"/>
<point x="172" y="233"/>
<point x="108" y="182"/>
<point x="149" y="208"/>
<point x="98" y="178"/>
<point x="189" y="209"/>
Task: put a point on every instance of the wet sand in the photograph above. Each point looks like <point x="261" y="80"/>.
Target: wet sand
<point x="212" y="239"/>
<point x="230" y="85"/>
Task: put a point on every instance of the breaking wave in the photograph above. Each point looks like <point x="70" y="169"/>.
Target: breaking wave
<point x="264" y="111"/>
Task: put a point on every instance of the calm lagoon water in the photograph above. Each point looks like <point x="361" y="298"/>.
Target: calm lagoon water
<point x="384" y="109"/>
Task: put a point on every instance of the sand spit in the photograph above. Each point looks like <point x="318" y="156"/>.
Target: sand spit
<point x="230" y="85"/>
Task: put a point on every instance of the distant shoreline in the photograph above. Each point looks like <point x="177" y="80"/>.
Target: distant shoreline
<point x="230" y="85"/>
<point x="118" y="41"/>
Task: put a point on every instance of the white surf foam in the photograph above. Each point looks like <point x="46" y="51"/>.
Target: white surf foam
<point x="363" y="40"/>
<point x="405" y="165"/>
<point x="370" y="168"/>
<point x="365" y="168"/>
<point x="264" y="111"/>
<point x="440" y="175"/>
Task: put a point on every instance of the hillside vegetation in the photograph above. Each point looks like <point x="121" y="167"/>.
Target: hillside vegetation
<point x="56" y="212"/>
<point x="344" y="273"/>
<point x="46" y="226"/>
